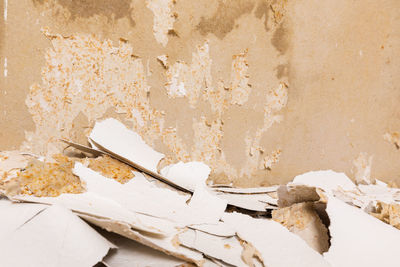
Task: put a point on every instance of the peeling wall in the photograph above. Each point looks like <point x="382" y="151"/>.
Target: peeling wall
<point x="259" y="90"/>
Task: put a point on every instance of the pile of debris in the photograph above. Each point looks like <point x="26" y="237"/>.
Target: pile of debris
<point x="121" y="209"/>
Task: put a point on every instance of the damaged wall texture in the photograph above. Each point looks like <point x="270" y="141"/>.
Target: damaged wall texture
<point x="259" y="90"/>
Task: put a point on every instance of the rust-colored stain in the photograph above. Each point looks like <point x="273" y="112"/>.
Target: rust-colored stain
<point x="223" y="20"/>
<point x="112" y="9"/>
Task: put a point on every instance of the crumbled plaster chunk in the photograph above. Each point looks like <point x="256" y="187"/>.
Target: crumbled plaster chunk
<point x="388" y="213"/>
<point x="163" y="18"/>
<point x="112" y="168"/>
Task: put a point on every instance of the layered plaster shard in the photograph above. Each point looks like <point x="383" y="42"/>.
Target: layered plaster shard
<point x="359" y="239"/>
<point x="254" y="202"/>
<point x="11" y="162"/>
<point x="275" y="244"/>
<point x="218" y="229"/>
<point x="131" y="253"/>
<point x="160" y="202"/>
<point x="167" y="244"/>
<point x="187" y="175"/>
<point x="113" y="136"/>
<point x="303" y="220"/>
<point x="164" y="19"/>
<point x="94" y="205"/>
<point x="54" y="236"/>
<point x="254" y="190"/>
<point x="226" y="249"/>
<point x="327" y="180"/>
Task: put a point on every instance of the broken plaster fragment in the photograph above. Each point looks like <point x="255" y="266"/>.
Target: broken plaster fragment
<point x="359" y="239"/>
<point x="388" y="213"/>
<point x="227" y="249"/>
<point x="163" y="19"/>
<point x="53" y="237"/>
<point x="166" y="244"/>
<point x="131" y="253"/>
<point x="254" y="190"/>
<point x="276" y="245"/>
<point x="254" y="202"/>
<point x="113" y="136"/>
<point x="218" y="229"/>
<point x="302" y="220"/>
<point x="187" y="175"/>
<point x="327" y="180"/>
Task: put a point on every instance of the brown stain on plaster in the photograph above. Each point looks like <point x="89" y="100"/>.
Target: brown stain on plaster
<point x="282" y="70"/>
<point x="262" y="12"/>
<point x="223" y="21"/>
<point x="280" y="39"/>
<point x="111" y="9"/>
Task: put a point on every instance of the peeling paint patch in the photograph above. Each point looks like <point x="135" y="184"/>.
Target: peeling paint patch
<point x="175" y="144"/>
<point x="88" y="75"/>
<point x="5" y="10"/>
<point x="362" y="165"/>
<point x="163" y="19"/>
<point x="190" y="80"/>
<point x="272" y="159"/>
<point x="393" y="138"/>
<point x="163" y="59"/>
<point x="207" y="148"/>
<point x="275" y="102"/>
<point x="240" y="79"/>
<point x="279" y="10"/>
<point x="5" y="67"/>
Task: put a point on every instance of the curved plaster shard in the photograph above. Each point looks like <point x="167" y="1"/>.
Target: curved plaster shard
<point x="327" y="180"/>
<point x="359" y="239"/>
<point x="277" y="246"/>
<point x="187" y="175"/>
<point x="113" y="136"/>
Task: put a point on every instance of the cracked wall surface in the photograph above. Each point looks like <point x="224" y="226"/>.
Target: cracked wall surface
<point x="260" y="90"/>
